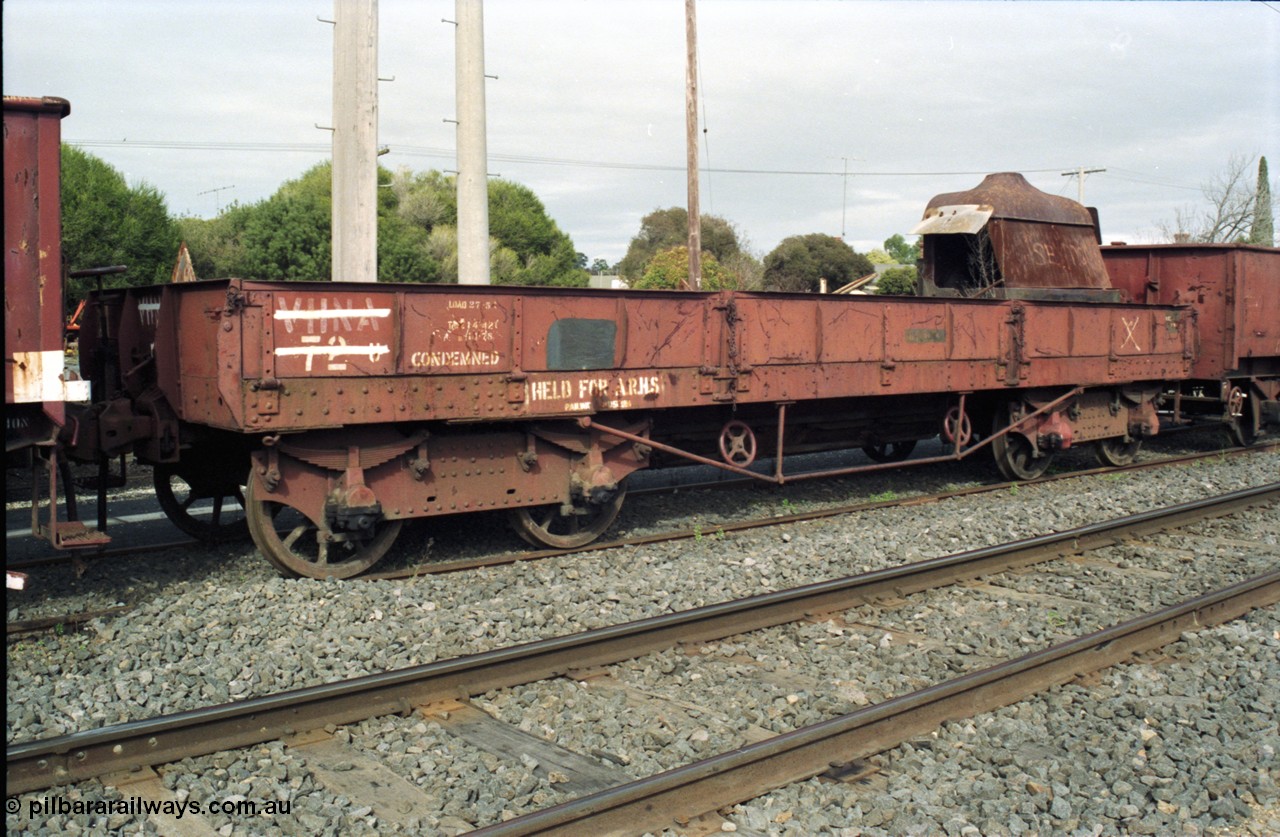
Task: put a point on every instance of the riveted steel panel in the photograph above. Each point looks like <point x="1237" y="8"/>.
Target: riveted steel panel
<point x="33" y="292"/>
<point x="1234" y="290"/>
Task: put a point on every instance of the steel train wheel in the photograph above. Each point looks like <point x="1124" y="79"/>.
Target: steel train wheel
<point x="547" y="526"/>
<point x="300" y="552"/>
<point x="1015" y="456"/>
<point x="180" y="486"/>
<point x="1116" y="451"/>
<point x="890" y="451"/>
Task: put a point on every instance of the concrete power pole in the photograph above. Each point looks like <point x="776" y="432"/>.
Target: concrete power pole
<point x="691" y="142"/>
<point x="355" y="141"/>
<point x="473" y="154"/>
<point x="1080" y="172"/>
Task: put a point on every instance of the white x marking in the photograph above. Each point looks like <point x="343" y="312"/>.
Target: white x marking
<point x="1128" y="337"/>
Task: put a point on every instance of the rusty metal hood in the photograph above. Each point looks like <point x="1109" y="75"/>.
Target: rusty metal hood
<point x="1005" y="234"/>
<point x="1008" y="195"/>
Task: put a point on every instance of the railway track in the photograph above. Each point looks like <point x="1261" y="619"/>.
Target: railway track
<point x="436" y="567"/>
<point x="30" y="627"/>
<point x="706" y="785"/>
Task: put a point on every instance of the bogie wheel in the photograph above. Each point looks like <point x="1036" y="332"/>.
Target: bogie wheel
<point x="1116" y="452"/>
<point x="1015" y="456"/>
<point x="302" y="551"/>
<point x="1245" y="421"/>
<point x="184" y="492"/>
<point x="890" y="451"/>
<point x="548" y="526"/>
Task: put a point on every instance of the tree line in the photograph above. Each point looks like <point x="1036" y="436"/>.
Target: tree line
<point x="287" y="237"/>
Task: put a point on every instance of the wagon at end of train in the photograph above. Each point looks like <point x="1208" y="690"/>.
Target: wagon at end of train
<point x="38" y="384"/>
<point x="1234" y="290"/>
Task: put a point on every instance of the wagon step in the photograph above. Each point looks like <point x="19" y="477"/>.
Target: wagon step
<point x="72" y="534"/>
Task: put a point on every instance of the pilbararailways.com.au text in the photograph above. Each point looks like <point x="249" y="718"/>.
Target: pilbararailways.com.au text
<point x="234" y="806"/>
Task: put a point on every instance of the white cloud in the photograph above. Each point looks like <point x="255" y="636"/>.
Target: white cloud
<point x="1154" y="91"/>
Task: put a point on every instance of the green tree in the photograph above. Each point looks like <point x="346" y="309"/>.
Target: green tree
<point x="426" y="199"/>
<point x="878" y="256"/>
<point x="106" y="222"/>
<point x="747" y="270"/>
<point x="902" y="252"/>
<point x="520" y="222"/>
<point x="215" y="244"/>
<point x="801" y="261"/>
<point x="403" y="252"/>
<point x="669" y="270"/>
<point x="663" y="229"/>
<point x="288" y="236"/>
<point x="600" y="267"/>
<point x="897" y="280"/>
<point x="1263" y="230"/>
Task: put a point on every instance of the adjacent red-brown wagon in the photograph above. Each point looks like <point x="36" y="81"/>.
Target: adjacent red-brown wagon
<point x="37" y="384"/>
<point x="1235" y="292"/>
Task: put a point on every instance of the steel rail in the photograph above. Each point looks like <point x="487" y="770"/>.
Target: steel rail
<point x="68" y="620"/>
<point x="16" y="630"/>
<point x="797" y="517"/>
<point x="659" y="801"/>
<point x="37" y="764"/>
<point x="62" y="557"/>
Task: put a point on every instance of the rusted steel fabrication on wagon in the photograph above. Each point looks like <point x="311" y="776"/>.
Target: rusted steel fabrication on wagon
<point x="373" y="405"/>
<point x="37" y="383"/>
<point x="1235" y="292"/>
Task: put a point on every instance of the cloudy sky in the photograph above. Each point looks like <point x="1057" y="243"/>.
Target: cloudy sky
<point x="914" y="98"/>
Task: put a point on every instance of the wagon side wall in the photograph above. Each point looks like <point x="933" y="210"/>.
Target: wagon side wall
<point x="294" y="356"/>
<point x="34" y="370"/>
<point x="1258" y="311"/>
<point x="1235" y="291"/>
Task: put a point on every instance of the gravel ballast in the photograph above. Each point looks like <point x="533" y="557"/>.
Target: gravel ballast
<point x="218" y="628"/>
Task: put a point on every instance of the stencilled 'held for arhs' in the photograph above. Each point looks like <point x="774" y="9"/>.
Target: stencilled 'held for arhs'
<point x="594" y="393"/>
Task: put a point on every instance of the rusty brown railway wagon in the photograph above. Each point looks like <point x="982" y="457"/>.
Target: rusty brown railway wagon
<point x="361" y="406"/>
<point x="1235" y="292"/>
<point x="37" y="382"/>
<point x="332" y="412"/>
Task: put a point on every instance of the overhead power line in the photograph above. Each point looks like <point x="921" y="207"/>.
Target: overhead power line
<point x="449" y="153"/>
<point x="1143" y="177"/>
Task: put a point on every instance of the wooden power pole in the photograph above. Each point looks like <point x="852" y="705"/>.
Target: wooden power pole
<point x="691" y="131"/>
<point x="1079" y="174"/>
